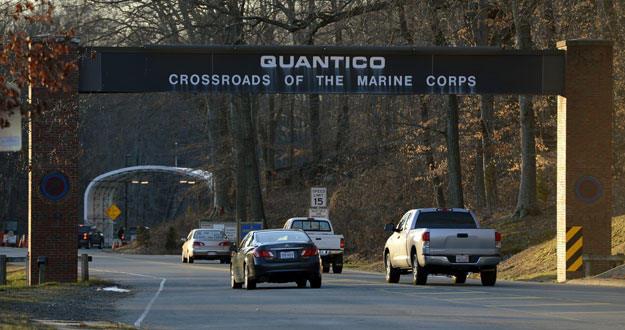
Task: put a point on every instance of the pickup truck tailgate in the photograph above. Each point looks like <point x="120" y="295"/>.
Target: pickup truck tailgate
<point x="462" y="241"/>
<point x="326" y="241"/>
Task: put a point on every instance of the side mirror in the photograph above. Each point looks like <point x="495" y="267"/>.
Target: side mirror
<point x="389" y="227"/>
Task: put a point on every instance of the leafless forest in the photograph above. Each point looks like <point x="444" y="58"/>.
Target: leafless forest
<point x="378" y="155"/>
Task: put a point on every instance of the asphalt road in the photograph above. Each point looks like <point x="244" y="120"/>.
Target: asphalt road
<point x="172" y="295"/>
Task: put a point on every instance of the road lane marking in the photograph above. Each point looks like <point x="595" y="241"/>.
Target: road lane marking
<point x="149" y="306"/>
<point x="597" y="312"/>
<point x="170" y="263"/>
<point x="551" y="304"/>
<point x="499" y="307"/>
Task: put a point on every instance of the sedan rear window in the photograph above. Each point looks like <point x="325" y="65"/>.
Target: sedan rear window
<point x="281" y="236"/>
<point x="209" y="234"/>
<point x="442" y="219"/>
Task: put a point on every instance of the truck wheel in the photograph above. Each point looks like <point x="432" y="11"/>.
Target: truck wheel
<point x="301" y="283"/>
<point x="489" y="277"/>
<point x="460" y="278"/>
<point x="250" y="284"/>
<point x="190" y="259"/>
<point x="326" y="268"/>
<point x="337" y="264"/>
<point x="392" y="273"/>
<point x="419" y="275"/>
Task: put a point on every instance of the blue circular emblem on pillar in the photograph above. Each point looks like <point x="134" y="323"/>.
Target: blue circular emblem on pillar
<point x="588" y="189"/>
<point x="54" y="186"/>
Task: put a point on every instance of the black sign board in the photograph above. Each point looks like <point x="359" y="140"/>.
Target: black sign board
<point x="323" y="70"/>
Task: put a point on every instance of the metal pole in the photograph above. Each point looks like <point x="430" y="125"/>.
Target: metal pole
<point x="126" y="207"/>
<point x="3" y="269"/>
<point x="176" y="154"/>
<point x="84" y="263"/>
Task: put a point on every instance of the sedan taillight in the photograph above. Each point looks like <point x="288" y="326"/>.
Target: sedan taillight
<point x="198" y="244"/>
<point x="224" y="244"/>
<point x="309" y="252"/>
<point x="84" y="236"/>
<point x="263" y="254"/>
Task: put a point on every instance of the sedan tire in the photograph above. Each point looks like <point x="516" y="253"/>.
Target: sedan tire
<point x="250" y="284"/>
<point x="460" y="278"/>
<point x="315" y="282"/>
<point x="233" y="282"/>
<point x="184" y="259"/>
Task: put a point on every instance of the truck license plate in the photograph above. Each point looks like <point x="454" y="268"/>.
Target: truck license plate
<point x="462" y="258"/>
<point x="287" y="255"/>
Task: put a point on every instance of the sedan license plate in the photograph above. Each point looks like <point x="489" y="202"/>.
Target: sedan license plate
<point x="287" y="255"/>
<point x="462" y="258"/>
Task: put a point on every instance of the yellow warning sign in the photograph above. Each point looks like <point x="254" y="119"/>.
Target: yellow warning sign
<point x="113" y="212"/>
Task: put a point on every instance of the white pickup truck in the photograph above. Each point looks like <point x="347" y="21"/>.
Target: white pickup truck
<point x="330" y="245"/>
<point x="441" y="241"/>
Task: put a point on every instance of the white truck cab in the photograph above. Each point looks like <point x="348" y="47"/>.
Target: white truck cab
<point x="330" y="245"/>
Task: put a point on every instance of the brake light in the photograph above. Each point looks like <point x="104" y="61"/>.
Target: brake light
<point x="123" y="237"/>
<point x="224" y="244"/>
<point x="263" y="254"/>
<point x="497" y="237"/>
<point x="309" y="252"/>
<point x="425" y="236"/>
<point x="84" y="236"/>
<point x="342" y="243"/>
<point x="198" y="244"/>
<point x="444" y="209"/>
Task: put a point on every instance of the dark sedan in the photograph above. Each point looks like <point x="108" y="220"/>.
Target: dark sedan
<point x="276" y="256"/>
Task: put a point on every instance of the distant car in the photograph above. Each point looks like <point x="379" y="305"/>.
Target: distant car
<point x="278" y="256"/>
<point x="89" y="236"/>
<point x="207" y="244"/>
<point x="131" y="234"/>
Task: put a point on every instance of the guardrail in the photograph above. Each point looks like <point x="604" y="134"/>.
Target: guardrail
<point x="42" y="261"/>
<point x="589" y="258"/>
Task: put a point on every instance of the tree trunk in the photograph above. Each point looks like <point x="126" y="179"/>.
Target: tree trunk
<point x="429" y="158"/>
<point x="315" y="139"/>
<point x="488" y="163"/>
<point x="480" y="191"/>
<point x="251" y="160"/>
<point x="220" y="154"/>
<point x="453" y="152"/>
<point x="239" y="151"/>
<point x="527" y="204"/>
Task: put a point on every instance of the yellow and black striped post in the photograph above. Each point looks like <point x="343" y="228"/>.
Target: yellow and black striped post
<point x="574" y="248"/>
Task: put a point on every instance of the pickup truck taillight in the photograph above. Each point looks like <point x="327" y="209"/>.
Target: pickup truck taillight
<point x="425" y="236"/>
<point x="498" y="239"/>
<point x="342" y="243"/>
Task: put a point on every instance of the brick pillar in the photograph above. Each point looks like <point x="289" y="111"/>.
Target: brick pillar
<point x="53" y="181"/>
<point x="584" y="162"/>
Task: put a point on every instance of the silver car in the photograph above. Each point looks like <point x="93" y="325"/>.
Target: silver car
<point x="208" y="244"/>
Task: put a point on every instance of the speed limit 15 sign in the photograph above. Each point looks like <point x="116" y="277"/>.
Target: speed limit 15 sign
<point x="318" y="197"/>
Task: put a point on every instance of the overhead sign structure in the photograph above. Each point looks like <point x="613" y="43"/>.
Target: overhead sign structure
<point x="322" y="70"/>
